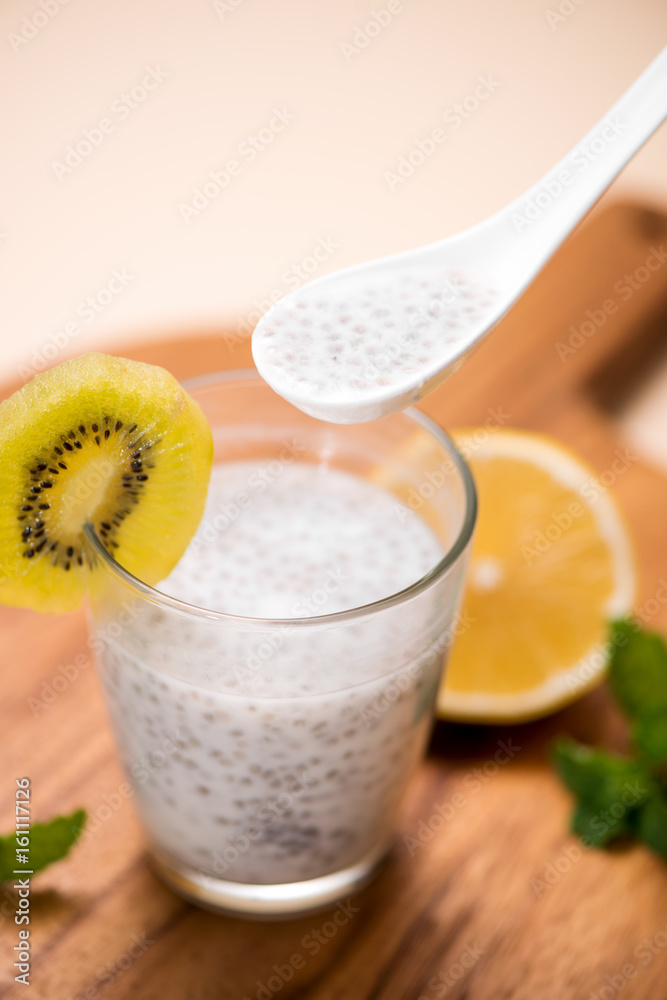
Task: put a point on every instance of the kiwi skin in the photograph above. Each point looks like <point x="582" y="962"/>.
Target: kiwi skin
<point x="137" y="454"/>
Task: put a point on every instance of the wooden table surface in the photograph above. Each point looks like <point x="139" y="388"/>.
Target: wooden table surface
<point x="500" y="902"/>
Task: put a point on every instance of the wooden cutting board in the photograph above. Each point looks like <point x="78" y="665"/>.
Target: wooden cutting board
<point x="499" y="902"/>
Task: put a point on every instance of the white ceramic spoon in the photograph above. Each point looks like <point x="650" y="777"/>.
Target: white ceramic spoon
<point x="371" y="339"/>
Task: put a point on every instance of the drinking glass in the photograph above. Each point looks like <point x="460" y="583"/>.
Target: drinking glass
<point x="268" y="757"/>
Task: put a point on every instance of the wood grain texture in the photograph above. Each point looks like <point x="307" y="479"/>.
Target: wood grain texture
<point x="461" y="915"/>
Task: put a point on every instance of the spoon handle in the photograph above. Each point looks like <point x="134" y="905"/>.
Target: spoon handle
<point x="545" y="214"/>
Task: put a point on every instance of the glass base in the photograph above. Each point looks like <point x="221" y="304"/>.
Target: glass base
<point x="265" y="902"/>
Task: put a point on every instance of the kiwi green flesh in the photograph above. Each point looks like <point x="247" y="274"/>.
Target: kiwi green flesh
<point x="100" y="441"/>
<point x="119" y="457"/>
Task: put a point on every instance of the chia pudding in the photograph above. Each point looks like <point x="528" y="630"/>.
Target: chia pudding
<point x="277" y="751"/>
<point x="339" y="352"/>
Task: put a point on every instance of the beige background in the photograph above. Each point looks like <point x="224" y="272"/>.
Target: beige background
<point x="321" y="178"/>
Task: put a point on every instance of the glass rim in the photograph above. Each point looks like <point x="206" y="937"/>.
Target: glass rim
<point x="424" y="583"/>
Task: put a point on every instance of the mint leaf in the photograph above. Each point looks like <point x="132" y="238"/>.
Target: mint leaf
<point x="638" y="670"/>
<point x="590" y="773"/>
<point x="638" y="678"/>
<point x="610" y="790"/>
<point x="596" y="826"/>
<point x="623" y="796"/>
<point x="49" y="842"/>
<point x="649" y="735"/>
<point x="652" y="823"/>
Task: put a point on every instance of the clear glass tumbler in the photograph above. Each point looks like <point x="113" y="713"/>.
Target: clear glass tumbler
<point x="268" y="757"/>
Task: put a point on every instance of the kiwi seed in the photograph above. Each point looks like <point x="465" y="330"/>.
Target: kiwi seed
<point x="37" y="533"/>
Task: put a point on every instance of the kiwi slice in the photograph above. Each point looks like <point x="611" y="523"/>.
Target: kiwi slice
<point x="103" y="441"/>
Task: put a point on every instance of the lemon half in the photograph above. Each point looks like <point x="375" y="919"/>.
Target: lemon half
<point x="551" y="564"/>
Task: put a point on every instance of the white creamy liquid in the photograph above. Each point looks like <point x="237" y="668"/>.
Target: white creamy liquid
<point x="279" y="756"/>
<point x="337" y="346"/>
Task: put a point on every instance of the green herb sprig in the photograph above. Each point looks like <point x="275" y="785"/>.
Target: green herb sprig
<point x="49" y="842"/>
<point x="625" y="797"/>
